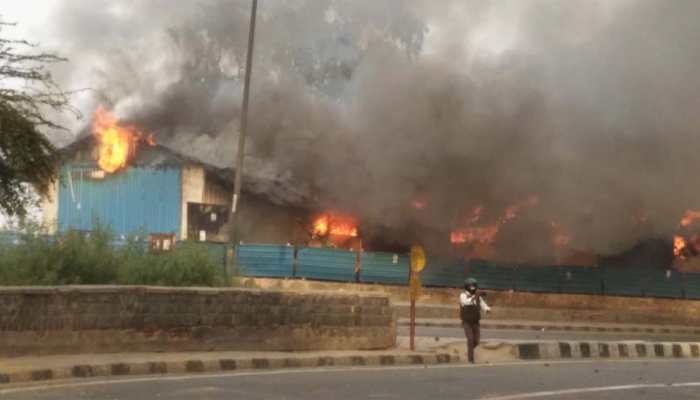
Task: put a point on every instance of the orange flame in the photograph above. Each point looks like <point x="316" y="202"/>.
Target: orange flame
<point x="486" y="234"/>
<point x="679" y="244"/>
<point x="480" y="234"/>
<point x="116" y="143"/>
<point x="335" y="224"/>
<point x="689" y="217"/>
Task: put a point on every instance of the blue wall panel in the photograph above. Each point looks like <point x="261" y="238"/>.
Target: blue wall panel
<point x="380" y="268"/>
<point x="134" y="200"/>
<point x="491" y="276"/>
<point x="625" y="281"/>
<point x="692" y="285"/>
<point x="536" y="279"/>
<point x="266" y="260"/>
<point x="326" y="264"/>
<point x="580" y="280"/>
<point x="661" y="285"/>
<point x="443" y="274"/>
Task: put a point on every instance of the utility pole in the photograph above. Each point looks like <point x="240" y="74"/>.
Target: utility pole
<point x="242" y="136"/>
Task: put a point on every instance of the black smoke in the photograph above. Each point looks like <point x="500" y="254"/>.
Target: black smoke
<point x="367" y="105"/>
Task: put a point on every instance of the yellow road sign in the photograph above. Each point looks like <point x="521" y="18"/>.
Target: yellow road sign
<point x="417" y="258"/>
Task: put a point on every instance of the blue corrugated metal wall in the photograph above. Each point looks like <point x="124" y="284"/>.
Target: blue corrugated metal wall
<point x="135" y="200"/>
<point x="489" y="276"/>
<point x="580" y="280"/>
<point x="326" y="264"/>
<point x="384" y="268"/>
<point x="443" y="273"/>
<point x="266" y="260"/>
<point x="625" y="281"/>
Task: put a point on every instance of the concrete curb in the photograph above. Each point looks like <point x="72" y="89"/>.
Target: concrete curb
<point x="540" y="327"/>
<point x="224" y="365"/>
<point x="606" y="350"/>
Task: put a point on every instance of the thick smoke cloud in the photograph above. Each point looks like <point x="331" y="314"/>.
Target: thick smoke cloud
<point x="369" y="105"/>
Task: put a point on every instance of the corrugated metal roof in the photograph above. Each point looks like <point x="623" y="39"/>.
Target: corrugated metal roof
<point x="146" y="200"/>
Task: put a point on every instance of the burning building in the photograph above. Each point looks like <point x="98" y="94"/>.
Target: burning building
<point x="122" y="179"/>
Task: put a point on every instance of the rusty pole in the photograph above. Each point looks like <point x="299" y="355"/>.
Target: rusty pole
<point x="243" y="131"/>
<point x="412" y="311"/>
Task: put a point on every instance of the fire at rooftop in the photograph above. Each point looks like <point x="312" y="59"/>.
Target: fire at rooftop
<point x="117" y="143"/>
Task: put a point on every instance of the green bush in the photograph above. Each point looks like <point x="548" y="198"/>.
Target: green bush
<point x="92" y="258"/>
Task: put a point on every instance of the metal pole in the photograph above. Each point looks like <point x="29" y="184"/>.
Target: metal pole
<point x="412" y="310"/>
<point x="243" y="132"/>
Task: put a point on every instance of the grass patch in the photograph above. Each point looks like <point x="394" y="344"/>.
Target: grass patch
<point x="96" y="258"/>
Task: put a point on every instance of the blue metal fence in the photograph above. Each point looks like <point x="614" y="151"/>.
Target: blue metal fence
<point x="664" y="284"/>
<point x="278" y="261"/>
<point x="443" y="273"/>
<point x="261" y="260"/>
<point x="577" y="280"/>
<point x="489" y="277"/>
<point x="691" y="286"/>
<point x="623" y="282"/>
<point x="386" y="268"/>
<point x="326" y="264"/>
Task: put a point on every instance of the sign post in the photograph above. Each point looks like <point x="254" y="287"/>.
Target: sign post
<point x="417" y="265"/>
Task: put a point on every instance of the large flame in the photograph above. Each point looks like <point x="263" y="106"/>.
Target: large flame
<point x="335" y="224"/>
<point x="116" y="143"/>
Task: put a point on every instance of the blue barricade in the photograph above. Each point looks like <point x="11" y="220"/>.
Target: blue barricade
<point x="326" y="264"/>
<point x="266" y="260"/>
<point x="384" y="268"/>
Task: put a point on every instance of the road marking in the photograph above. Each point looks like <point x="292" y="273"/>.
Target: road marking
<point x="154" y="378"/>
<point x="564" y="392"/>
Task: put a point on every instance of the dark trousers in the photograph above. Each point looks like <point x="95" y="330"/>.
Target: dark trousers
<point x="472" y="332"/>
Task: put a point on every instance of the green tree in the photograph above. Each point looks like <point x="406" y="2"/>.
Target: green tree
<point x="28" y="93"/>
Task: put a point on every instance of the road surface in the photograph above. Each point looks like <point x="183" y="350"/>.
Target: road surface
<point x="629" y="380"/>
<point x="518" y="334"/>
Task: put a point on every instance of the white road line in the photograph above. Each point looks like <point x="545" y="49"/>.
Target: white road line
<point x="564" y="392"/>
<point x="155" y="378"/>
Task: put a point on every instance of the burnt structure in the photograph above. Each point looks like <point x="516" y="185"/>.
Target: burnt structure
<point x="164" y="196"/>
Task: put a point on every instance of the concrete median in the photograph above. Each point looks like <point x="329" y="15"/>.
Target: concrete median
<point x="51" y="368"/>
<point x="500" y="351"/>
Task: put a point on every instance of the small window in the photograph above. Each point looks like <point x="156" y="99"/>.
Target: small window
<point x="161" y="242"/>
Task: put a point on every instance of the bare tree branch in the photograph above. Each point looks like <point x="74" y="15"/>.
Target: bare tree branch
<point x="27" y="92"/>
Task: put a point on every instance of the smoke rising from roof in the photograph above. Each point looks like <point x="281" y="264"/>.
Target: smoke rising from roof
<point x="367" y="105"/>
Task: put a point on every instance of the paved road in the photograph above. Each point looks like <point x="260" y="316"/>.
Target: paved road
<point x="517" y="334"/>
<point x="669" y="380"/>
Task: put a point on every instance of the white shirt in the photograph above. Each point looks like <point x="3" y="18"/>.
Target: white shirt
<point x="467" y="299"/>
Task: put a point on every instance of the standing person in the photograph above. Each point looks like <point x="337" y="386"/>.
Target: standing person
<point x="471" y="305"/>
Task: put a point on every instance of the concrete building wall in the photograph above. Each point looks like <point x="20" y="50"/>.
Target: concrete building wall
<point x="49" y="209"/>
<point x="192" y="191"/>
